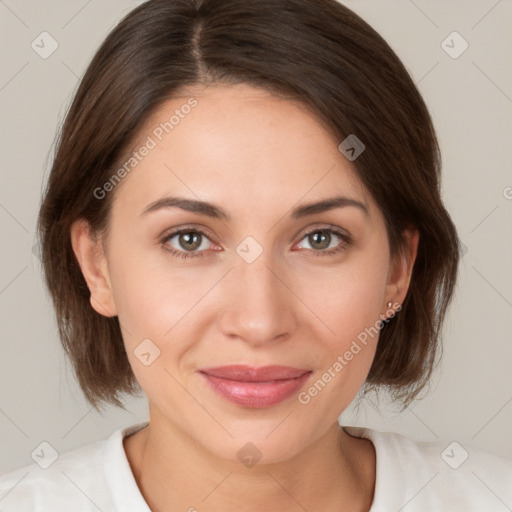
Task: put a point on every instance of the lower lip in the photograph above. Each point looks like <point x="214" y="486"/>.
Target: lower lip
<point x="256" y="394"/>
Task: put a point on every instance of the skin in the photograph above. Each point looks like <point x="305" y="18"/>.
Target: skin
<point x="257" y="157"/>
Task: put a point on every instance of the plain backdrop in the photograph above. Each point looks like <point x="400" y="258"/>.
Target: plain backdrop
<point x="470" y="99"/>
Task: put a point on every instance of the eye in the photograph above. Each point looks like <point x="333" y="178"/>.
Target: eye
<point x="320" y="240"/>
<point x="189" y="242"/>
<point x="192" y="242"/>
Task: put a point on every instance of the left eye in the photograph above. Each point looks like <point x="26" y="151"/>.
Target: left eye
<point x="321" y="240"/>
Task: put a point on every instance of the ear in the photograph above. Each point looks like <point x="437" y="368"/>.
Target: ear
<point x="93" y="263"/>
<point x="400" y="271"/>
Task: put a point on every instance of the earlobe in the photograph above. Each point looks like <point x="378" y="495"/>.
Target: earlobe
<point x="93" y="264"/>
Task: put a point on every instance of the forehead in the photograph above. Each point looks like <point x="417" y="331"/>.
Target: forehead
<point x="242" y="142"/>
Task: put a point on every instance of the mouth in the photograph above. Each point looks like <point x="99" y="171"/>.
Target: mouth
<point x="255" y="387"/>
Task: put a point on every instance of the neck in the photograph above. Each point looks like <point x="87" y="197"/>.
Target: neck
<point x="174" y="472"/>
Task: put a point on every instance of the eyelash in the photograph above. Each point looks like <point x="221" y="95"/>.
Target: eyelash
<point x="184" y="255"/>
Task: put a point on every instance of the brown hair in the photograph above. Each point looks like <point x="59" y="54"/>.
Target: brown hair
<point x="315" y="51"/>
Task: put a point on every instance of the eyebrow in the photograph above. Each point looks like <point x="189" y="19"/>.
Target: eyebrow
<point x="216" y="212"/>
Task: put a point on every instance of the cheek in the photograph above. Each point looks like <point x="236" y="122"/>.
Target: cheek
<point x="159" y="301"/>
<point x="152" y="307"/>
<point x="347" y="298"/>
<point x="148" y="289"/>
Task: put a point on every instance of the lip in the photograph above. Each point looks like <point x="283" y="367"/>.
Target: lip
<point x="255" y="387"/>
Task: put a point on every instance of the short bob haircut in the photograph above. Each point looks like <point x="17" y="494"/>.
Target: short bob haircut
<point x="315" y="51"/>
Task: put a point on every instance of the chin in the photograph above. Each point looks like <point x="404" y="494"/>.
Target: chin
<point x="258" y="443"/>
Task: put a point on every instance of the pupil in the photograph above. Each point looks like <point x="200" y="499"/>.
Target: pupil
<point x="190" y="243"/>
<point x="318" y="236"/>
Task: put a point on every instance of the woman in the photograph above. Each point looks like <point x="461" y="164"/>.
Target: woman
<point x="243" y="219"/>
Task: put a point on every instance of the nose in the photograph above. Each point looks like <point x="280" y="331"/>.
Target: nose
<point x="260" y="308"/>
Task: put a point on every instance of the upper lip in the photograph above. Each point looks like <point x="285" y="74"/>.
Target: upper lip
<point x="244" y="373"/>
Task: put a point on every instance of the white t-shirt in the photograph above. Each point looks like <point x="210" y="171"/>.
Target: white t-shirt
<point x="411" y="477"/>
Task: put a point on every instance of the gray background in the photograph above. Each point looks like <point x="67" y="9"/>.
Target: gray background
<point x="470" y="98"/>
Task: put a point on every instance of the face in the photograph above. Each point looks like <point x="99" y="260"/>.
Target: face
<point x="256" y="280"/>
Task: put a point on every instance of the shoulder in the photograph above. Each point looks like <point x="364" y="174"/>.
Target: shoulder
<point x="73" y="481"/>
<point x="417" y="476"/>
